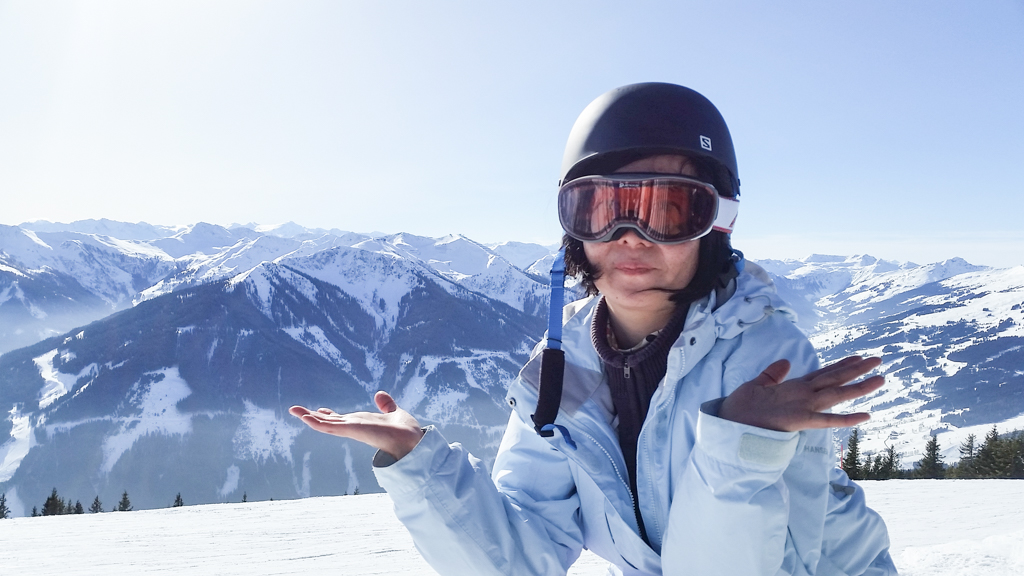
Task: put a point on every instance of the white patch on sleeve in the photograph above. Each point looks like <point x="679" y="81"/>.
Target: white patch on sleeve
<point x="767" y="451"/>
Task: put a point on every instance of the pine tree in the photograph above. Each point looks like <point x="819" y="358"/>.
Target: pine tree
<point x="1017" y="455"/>
<point x="873" y="468"/>
<point x="178" y="501"/>
<point x="35" y="511"/>
<point x="1005" y="454"/>
<point x="54" y="504"/>
<point x="245" y="497"/>
<point x="5" y="512"/>
<point x="965" y="468"/>
<point x="931" y="466"/>
<point x="851" y="461"/>
<point x="125" y="505"/>
<point x="890" y="464"/>
<point x="97" y="506"/>
<point x="986" y="461"/>
<point x="78" y="507"/>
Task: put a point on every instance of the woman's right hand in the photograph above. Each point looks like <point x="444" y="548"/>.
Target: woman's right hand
<point x="393" y="430"/>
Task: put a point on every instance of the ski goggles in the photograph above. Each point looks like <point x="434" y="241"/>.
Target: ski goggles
<point x="662" y="209"/>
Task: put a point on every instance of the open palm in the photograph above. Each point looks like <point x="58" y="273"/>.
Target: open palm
<point x="392" y="430"/>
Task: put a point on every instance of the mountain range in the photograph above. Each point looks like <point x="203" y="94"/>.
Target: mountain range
<point x="162" y="359"/>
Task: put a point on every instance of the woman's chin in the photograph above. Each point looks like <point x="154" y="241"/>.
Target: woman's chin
<point x="638" y="297"/>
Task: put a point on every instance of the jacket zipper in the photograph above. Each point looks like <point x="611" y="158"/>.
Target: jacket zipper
<point x="658" y="515"/>
<point x="618" y="473"/>
<point x="625" y="367"/>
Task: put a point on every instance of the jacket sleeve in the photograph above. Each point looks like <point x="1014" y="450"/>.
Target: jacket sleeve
<point x="855" y="536"/>
<point x="753" y="501"/>
<point x="730" y="510"/>
<point x="523" y="522"/>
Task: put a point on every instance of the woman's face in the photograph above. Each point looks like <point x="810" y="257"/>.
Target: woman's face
<point x="639" y="274"/>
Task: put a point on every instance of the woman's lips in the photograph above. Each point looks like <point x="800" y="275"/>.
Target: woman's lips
<point x="633" y="268"/>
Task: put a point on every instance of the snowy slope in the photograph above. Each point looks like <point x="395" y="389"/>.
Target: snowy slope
<point x="208" y="253"/>
<point x="937" y="528"/>
<point x="951" y="336"/>
<point x="111" y="268"/>
<point x="522" y="254"/>
<point x="222" y="262"/>
<point x="469" y="264"/>
<point x="201" y="238"/>
<point x="953" y="353"/>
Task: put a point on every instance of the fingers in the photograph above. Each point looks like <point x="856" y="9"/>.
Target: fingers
<point x="838" y="394"/>
<point x="833" y="366"/>
<point x="774" y="374"/>
<point x="300" y="411"/>
<point x="385" y="403"/>
<point x="316" y="420"/>
<point x="843" y="371"/>
<point x="827" y="420"/>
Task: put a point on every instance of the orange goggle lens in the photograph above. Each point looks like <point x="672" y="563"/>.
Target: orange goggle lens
<point x="664" y="209"/>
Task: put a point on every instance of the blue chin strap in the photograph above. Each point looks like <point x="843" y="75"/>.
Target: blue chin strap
<point x="557" y="301"/>
<point x="552" y="366"/>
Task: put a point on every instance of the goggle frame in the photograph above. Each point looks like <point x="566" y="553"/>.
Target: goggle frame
<point x="723" y="217"/>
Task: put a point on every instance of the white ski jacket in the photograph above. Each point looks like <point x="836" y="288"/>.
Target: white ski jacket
<point x="717" y="497"/>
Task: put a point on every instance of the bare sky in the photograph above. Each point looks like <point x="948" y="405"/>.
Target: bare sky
<point x="889" y="128"/>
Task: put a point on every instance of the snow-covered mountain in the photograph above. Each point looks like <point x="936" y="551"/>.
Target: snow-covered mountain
<point x="55" y="277"/>
<point x="190" y="389"/>
<point x="201" y="336"/>
<point x="192" y="383"/>
<point x="951" y="336"/>
<point x="53" y="281"/>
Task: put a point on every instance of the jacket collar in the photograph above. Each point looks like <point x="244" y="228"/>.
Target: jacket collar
<point x="751" y="298"/>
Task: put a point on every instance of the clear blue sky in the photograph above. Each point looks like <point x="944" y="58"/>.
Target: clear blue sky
<point x="889" y="128"/>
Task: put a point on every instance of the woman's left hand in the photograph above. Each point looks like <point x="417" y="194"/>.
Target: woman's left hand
<point x="801" y="403"/>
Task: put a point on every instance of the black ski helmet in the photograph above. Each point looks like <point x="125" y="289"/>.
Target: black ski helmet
<point x="647" y="119"/>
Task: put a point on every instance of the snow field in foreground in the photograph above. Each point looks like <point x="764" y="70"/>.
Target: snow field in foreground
<point x="937" y="528"/>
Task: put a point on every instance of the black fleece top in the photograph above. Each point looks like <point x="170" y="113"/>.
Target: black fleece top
<point x="633" y="377"/>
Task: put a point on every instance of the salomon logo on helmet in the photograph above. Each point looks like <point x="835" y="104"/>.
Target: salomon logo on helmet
<point x="705" y="143"/>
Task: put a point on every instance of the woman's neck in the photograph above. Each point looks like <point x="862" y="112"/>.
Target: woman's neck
<point x="631" y="325"/>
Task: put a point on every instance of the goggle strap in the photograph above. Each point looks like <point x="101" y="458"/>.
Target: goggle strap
<point x="725" y="220"/>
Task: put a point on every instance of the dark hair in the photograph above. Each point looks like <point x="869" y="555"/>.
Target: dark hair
<point x="714" y="254"/>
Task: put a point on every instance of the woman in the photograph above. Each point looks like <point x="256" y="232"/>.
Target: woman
<point x="665" y="436"/>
